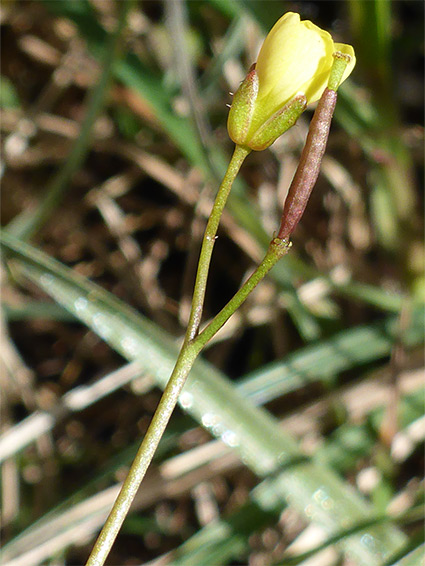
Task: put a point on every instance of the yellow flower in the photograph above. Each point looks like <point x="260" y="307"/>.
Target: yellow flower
<point x="294" y="63"/>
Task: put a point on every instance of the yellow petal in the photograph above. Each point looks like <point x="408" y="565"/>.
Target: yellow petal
<point x="295" y="58"/>
<point x="291" y="55"/>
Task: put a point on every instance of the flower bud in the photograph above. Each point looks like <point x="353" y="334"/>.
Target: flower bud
<point x="292" y="70"/>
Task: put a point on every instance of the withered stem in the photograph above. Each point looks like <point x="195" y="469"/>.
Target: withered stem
<point x="308" y="169"/>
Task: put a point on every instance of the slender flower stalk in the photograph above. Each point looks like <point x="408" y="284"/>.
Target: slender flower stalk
<point x="277" y="249"/>
<point x="184" y="363"/>
<point x="300" y="190"/>
<point x="208" y="241"/>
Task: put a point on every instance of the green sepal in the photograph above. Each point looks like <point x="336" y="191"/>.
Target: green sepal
<point x="242" y="108"/>
<point x="340" y="63"/>
<point x="277" y="124"/>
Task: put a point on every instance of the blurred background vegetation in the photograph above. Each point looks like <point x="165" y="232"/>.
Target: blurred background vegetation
<point x="113" y="122"/>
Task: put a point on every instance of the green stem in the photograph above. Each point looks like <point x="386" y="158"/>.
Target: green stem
<point x="277" y="249"/>
<point x="175" y="384"/>
<point x="143" y="457"/>
<point x="189" y="352"/>
<point x="209" y="239"/>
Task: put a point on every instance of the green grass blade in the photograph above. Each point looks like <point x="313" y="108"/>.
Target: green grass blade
<point x="325" y="360"/>
<point x="228" y="537"/>
<point x="413" y="558"/>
